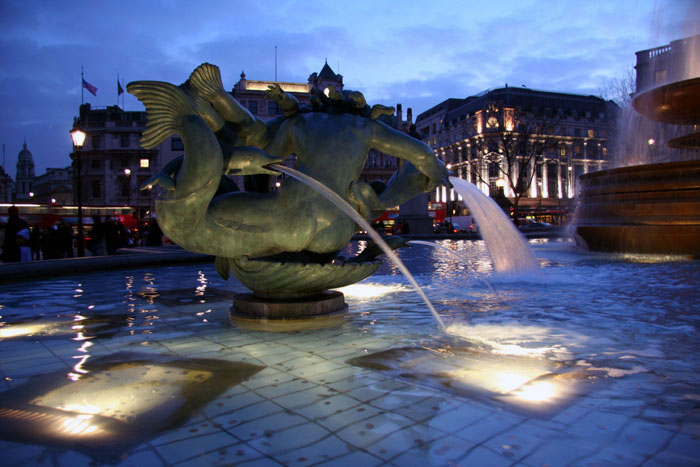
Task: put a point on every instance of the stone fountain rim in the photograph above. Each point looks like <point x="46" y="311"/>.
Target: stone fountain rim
<point x="669" y="103"/>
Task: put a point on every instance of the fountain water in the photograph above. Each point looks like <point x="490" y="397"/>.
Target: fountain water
<point x="451" y="253"/>
<point x="509" y="250"/>
<point x="362" y="222"/>
<point x="596" y="367"/>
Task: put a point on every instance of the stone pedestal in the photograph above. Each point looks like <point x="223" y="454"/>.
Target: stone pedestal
<point x="322" y="310"/>
<point x="414" y="213"/>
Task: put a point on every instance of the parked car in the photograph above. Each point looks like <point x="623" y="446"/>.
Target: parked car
<point x="529" y="225"/>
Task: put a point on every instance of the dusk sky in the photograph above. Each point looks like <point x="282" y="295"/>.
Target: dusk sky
<point x="416" y="53"/>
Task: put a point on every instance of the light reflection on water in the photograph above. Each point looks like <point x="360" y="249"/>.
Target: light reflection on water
<point x="620" y="314"/>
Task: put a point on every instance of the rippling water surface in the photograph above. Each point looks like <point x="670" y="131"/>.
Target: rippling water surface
<point x="628" y="320"/>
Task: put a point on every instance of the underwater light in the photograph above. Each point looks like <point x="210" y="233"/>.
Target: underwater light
<point x="79" y="425"/>
<point x="538" y="391"/>
<point x="21" y="330"/>
<point x="124" y="389"/>
<point x="497" y="377"/>
<point x="370" y="290"/>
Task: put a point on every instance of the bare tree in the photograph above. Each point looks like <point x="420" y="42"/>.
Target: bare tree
<point x="620" y="88"/>
<point x="514" y="150"/>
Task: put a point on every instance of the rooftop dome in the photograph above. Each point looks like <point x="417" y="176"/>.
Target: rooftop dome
<point x="25" y="164"/>
<point x="25" y="156"/>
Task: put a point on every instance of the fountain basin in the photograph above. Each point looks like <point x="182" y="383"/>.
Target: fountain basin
<point x="586" y="365"/>
<point x="652" y="208"/>
<point x="675" y="103"/>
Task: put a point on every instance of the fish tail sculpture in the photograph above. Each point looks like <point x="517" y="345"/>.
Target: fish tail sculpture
<point x="182" y="209"/>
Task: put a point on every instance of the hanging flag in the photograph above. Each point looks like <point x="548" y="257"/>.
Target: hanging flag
<point x="90" y="87"/>
<point x="120" y="90"/>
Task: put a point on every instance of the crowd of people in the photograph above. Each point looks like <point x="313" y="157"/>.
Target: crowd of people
<point x="23" y="242"/>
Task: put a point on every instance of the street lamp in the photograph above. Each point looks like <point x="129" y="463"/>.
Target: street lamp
<point x="127" y="174"/>
<point x="78" y="140"/>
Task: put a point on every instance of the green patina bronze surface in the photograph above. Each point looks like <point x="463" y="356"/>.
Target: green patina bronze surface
<point x="282" y="243"/>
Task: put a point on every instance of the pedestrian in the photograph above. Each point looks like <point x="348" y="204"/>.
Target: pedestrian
<point x="111" y="236"/>
<point x="35" y="242"/>
<point x="65" y="235"/>
<point x="25" y="250"/>
<point x="10" y="249"/>
<point x="96" y="245"/>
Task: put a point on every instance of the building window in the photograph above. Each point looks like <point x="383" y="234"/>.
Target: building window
<point x="124" y="162"/>
<point x="96" y="141"/>
<point x="273" y="108"/>
<point x="591" y="133"/>
<point x="577" y="132"/>
<point x="95" y="164"/>
<point x="97" y="188"/>
<point x="176" y="144"/>
<point x="144" y="163"/>
<point x="562" y="151"/>
<point x="605" y="152"/>
<point x="253" y="107"/>
<point x="124" y="141"/>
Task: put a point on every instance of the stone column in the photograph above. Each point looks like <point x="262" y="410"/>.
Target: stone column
<point x="545" y="179"/>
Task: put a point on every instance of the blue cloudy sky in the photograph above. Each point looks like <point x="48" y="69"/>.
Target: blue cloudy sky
<point x="416" y="53"/>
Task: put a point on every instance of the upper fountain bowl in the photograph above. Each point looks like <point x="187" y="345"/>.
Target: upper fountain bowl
<point x="677" y="103"/>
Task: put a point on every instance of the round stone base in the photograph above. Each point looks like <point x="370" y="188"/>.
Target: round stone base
<point x="322" y="310"/>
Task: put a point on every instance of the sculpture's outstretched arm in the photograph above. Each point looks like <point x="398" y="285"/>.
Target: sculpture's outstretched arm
<point x="420" y="172"/>
<point x="287" y="102"/>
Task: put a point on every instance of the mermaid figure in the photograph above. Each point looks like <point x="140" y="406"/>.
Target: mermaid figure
<point x="331" y="142"/>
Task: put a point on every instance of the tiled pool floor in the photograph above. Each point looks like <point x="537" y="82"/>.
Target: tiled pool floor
<point x="309" y="401"/>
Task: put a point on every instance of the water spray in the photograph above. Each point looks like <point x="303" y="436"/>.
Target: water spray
<point x="362" y="222"/>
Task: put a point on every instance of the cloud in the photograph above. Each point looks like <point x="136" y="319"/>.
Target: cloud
<point x="408" y="53"/>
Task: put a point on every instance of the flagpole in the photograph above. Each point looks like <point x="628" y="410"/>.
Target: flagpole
<point x="118" y="90"/>
<point x="82" y="91"/>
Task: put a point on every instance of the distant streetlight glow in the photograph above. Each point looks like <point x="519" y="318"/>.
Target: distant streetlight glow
<point x="78" y="137"/>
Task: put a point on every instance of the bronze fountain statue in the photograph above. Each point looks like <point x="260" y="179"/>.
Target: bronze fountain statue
<point x="283" y="244"/>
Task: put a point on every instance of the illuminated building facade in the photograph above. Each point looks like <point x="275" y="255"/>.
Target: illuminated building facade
<point x="113" y="164"/>
<point x="531" y="143"/>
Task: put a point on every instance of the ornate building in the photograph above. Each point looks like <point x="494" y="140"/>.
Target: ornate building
<point x="113" y="164"/>
<point x="25" y="175"/>
<point x="531" y="143"/>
